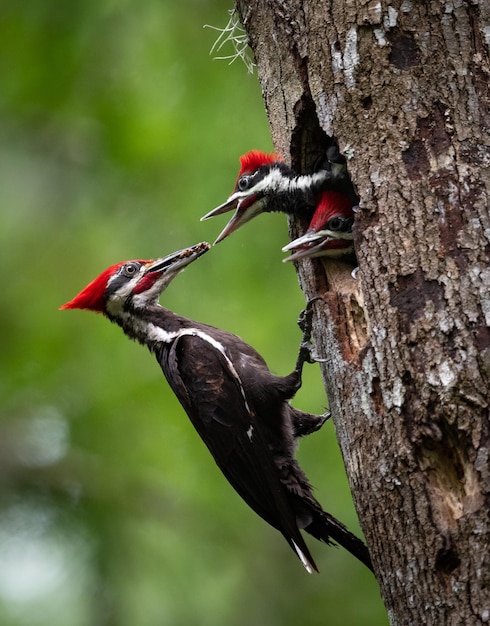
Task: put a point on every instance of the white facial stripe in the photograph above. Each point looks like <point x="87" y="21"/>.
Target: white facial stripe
<point x="275" y="181"/>
<point x="336" y="234"/>
<point x="126" y="289"/>
<point x="116" y="300"/>
<point x="308" y="180"/>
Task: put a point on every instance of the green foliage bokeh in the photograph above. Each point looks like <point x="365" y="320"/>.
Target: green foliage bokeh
<point x="118" y="132"/>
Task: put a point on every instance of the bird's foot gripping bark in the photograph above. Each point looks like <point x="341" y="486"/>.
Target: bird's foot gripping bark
<point x="306" y="355"/>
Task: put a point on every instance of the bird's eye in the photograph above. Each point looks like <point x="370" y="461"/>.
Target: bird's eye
<point x="340" y="223"/>
<point x="130" y="269"/>
<point x="335" y="223"/>
<point x="244" y="182"/>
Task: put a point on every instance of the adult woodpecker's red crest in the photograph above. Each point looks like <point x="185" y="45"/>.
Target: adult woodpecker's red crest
<point x="140" y="282"/>
<point x="92" y="298"/>
<point x="240" y="409"/>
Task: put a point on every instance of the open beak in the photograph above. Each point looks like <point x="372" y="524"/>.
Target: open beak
<point x="236" y="221"/>
<point x="307" y="240"/>
<point x="177" y="260"/>
<point x="229" y="205"/>
<point x="313" y="237"/>
<point x="247" y="207"/>
<point x="321" y="243"/>
<point x="233" y="202"/>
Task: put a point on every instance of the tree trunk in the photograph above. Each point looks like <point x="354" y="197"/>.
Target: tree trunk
<point x="403" y="88"/>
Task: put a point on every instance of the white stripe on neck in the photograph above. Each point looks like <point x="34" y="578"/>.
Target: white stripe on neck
<point x="277" y="182"/>
<point x="158" y="334"/>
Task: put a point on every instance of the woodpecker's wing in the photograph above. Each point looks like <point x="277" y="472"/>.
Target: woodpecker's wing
<point x="209" y="388"/>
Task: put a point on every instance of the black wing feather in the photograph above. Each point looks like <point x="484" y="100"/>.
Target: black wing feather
<point x="208" y="387"/>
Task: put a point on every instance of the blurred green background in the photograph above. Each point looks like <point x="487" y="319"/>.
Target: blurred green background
<point x="118" y="132"/>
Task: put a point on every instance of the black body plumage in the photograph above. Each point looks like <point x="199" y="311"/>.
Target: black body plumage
<point x="242" y="413"/>
<point x="238" y="406"/>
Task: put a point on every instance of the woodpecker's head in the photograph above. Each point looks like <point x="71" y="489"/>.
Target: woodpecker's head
<point x="329" y="232"/>
<point x="133" y="284"/>
<point x="260" y="174"/>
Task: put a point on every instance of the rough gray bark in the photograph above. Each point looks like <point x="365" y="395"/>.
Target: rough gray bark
<point x="403" y="87"/>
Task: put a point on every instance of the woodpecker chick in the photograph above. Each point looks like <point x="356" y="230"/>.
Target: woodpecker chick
<point x="266" y="184"/>
<point x="330" y="230"/>
<point x="239" y="408"/>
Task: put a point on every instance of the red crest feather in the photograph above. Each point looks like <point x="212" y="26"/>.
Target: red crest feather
<point x="254" y="159"/>
<point x="331" y="203"/>
<point x="92" y="297"/>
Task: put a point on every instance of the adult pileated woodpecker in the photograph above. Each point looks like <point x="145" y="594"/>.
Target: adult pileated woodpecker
<point x="266" y="184"/>
<point x="330" y="230"/>
<point x="239" y="408"/>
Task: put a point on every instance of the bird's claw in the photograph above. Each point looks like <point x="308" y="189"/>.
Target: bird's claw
<point x="311" y="356"/>
<point x="305" y="322"/>
<point x="316" y="359"/>
<point x="305" y="319"/>
<point x="305" y="355"/>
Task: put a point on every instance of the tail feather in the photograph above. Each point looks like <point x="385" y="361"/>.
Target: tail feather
<point x="326" y="528"/>
<point x="306" y="559"/>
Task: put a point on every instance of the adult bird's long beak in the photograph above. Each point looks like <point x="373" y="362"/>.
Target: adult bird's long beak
<point x="177" y="260"/>
<point x="160" y="273"/>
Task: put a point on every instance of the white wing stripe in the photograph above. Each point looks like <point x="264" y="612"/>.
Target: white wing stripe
<point x="156" y="333"/>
